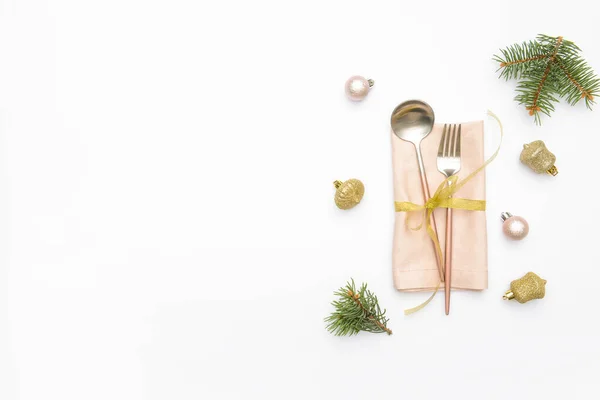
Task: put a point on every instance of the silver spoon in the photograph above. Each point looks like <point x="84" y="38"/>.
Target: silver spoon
<point x="412" y="121"/>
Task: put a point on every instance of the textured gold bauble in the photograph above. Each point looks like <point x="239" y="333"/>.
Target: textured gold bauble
<point x="349" y="193"/>
<point x="537" y="157"/>
<point x="527" y="288"/>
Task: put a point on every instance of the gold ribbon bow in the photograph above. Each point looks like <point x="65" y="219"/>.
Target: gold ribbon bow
<point x="443" y="198"/>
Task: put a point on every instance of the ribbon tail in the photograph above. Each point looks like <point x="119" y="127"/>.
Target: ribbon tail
<point x="424" y="304"/>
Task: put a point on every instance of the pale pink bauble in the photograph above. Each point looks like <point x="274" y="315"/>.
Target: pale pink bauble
<point x="515" y="227"/>
<point x="357" y="88"/>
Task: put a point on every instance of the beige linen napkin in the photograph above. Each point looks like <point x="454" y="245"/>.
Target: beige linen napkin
<point x="413" y="259"/>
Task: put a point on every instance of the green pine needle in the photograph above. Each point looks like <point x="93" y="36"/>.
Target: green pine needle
<point x="548" y="68"/>
<point x="356" y="311"/>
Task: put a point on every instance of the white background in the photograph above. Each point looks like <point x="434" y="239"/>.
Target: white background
<point x="167" y="228"/>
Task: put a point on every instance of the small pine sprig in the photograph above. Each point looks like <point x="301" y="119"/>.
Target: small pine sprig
<point x="356" y="311"/>
<point x="548" y="68"/>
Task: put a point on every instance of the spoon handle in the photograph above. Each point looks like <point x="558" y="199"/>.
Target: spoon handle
<point x="427" y="196"/>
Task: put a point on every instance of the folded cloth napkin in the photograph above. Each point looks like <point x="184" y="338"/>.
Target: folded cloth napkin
<point x="413" y="260"/>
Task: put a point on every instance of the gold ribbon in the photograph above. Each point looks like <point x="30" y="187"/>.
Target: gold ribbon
<point x="443" y="198"/>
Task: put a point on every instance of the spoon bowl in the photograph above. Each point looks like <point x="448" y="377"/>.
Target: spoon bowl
<point x="412" y="120"/>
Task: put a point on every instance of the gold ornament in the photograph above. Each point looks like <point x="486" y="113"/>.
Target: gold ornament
<point x="527" y="288"/>
<point x="349" y="193"/>
<point x="537" y="157"/>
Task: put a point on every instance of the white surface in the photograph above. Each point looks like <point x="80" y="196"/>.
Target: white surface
<point x="167" y="226"/>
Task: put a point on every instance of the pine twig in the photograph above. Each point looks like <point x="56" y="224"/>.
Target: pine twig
<point x="584" y="93"/>
<point x="355" y="311"/>
<point x="355" y="297"/>
<point x="534" y="108"/>
<point x="525" y="60"/>
<point x="548" y="68"/>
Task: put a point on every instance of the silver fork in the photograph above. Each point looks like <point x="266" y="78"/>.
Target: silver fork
<point x="448" y="163"/>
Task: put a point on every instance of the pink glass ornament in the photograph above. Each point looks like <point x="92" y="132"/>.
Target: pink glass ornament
<point x="514" y="227"/>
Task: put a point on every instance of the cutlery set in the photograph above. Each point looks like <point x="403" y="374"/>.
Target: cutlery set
<point x="413" y="121"/>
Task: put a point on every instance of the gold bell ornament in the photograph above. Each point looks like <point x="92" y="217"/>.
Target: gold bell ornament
<point x="527" y="288"/>
<point x="537" y="157"/>
<point x="348" y="194"/>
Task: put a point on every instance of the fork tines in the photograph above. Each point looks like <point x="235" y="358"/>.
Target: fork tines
<point x="450" y="143"/>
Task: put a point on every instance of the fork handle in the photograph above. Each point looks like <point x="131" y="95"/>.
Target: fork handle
<point x="448" y="258"/>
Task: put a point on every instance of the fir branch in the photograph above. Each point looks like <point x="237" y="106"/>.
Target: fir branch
<point x="578" y="81"/>
<point x="521" y="61"/>
<point x="547" y="69"/>
<point x="516" y="58"/>
<point x="535" y="108"/>
<point x="356" y="311"/>
<point x="584" y="93"/>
